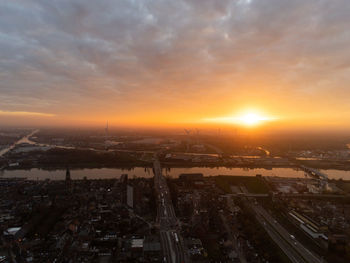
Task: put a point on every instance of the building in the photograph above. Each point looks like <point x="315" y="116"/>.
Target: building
<point x="191" y="177"/>
<point x="122" y="188"/>
<point x="130" y="196"/>
<point x="123" y="179"/>
<point x="68" y="180"/>
<point x="152" y="249"/>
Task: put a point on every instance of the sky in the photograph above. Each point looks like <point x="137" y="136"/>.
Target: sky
<point x="165" y="62"/>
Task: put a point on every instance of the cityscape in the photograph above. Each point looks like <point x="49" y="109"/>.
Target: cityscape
<point x="169" y="198"/>
<point x="204" y="131"/>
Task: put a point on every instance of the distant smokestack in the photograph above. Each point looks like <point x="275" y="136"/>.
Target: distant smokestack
<point x="106" y="129"/>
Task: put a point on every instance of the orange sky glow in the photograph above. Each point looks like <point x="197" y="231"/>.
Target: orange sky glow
<point x="139" y="64"/>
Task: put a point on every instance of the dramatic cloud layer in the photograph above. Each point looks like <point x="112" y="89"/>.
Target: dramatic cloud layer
<point x="174" y="60"/>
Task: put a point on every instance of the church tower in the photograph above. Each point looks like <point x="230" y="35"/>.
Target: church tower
<point x="68" y="179"/>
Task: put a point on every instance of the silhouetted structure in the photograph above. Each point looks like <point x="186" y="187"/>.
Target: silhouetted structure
<point x="68" y="179"/>
<point x="123" y="181"/>
<point x="191" y="177"/>
<point x="130" y="196"/>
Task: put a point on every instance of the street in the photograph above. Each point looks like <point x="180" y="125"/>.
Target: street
<point x="171" y="240"/>
<point x="295" y="251"/>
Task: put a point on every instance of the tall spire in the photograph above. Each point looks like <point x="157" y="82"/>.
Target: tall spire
<point x="106" y="129"/>
<point x="68" y="174"/>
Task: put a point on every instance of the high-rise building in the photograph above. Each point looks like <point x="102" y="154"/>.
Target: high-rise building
<point x="130" y="196"/>
<point x="122" y="186"/>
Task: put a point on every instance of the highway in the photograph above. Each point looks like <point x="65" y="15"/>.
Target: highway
<point x="171" y="240"/>
<point x="295" y="251"/>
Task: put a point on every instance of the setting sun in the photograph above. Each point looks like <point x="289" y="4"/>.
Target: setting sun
<point x="252" y="119"/>
<point x="246" y="119"/>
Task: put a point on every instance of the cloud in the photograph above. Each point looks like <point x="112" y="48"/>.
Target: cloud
<point x="123" y="57"/>
<point x="25" y="113"/>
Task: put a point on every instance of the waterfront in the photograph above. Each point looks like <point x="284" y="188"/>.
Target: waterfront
<point x="105" y="173"/>
<point x="337" y="174"/>
<point x="108" y="173"/>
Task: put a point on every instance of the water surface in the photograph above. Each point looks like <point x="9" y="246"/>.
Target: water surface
<point x="337" y="174"/>
<point x="109" y="173"/>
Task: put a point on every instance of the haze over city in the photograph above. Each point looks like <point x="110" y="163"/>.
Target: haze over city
<point x="174" y="63"/>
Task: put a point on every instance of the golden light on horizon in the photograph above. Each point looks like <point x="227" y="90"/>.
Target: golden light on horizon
<point x="252" y="119"/>
<point x="248" y="119"/>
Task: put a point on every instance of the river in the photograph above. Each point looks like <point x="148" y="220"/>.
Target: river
<point x="337" y="174"/>
<point x="108" y="173"/>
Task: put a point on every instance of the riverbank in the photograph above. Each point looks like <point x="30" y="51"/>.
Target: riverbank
<point x="173" y="172"/>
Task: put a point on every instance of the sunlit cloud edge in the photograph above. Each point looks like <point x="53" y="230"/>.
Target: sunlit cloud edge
<point x="25" y="113"/>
